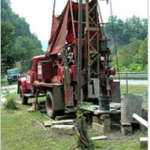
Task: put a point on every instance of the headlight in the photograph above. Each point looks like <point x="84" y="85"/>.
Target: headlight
<point x="9" y="77"/>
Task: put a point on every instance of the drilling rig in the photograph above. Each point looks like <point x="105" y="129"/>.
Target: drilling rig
<point x="75" y="68"/>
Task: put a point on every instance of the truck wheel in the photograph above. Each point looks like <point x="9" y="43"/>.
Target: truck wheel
<point x="24" y="100"/>
<point x="50" y="105"/>
<point x="9" y="81"/>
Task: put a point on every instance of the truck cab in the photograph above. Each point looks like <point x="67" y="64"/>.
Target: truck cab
<point x="13" y="75"/>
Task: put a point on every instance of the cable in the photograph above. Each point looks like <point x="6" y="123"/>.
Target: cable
<point x="114" y="39"/>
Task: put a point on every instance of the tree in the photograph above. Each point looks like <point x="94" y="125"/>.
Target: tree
<point x="26" y="48"/>
<point x="7" y="35"/>
<point x="17" y="41"/>
<point x="127" y="53"/>
<point x="125" y="30"/>
<point x="143" y="51"/>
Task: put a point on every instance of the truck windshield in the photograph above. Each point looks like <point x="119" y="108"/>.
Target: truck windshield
<point x="11" y="72"/>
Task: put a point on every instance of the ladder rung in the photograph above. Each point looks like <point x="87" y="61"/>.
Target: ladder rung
<point x="92" y="29"/>
<point x="94" y="52"/>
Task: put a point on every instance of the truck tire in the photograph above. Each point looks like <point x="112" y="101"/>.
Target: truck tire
<point x="49" y="103"/>
<point x="24" y="100"/>
<point x="9" y="81"/>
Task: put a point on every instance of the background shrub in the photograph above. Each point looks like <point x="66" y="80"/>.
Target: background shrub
<point x="10" y="103"/>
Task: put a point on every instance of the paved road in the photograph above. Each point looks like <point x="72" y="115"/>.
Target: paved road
<point x="134" y="82"/>
<point x="9" y="87"/>
<point x="13" y="88"/>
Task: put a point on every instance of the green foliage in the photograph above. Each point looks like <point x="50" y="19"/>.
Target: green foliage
<point x="131" y="42"/>
<point x="7" y="35"/>
<point x="126" y="54"/>
<point x="132" y="57"/>
<point x="19" y="130"/>
<point x="121" y="68"/>
<point x="17" y="41"/>
<point x="143" y="51"/>
<point x="83" y="140"/>
<point x="135" y="67"/>
<point x="125" y="30"/>
<point x="10" y="103"/>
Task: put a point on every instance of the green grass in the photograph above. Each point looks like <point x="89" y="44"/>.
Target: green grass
<point x="4" y="82"/>
<point x="135" y="89"/>
<point x="20" y="131"/>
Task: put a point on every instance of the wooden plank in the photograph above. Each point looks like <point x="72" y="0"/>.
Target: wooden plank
<point x="65" y="117"/>
<point x="140" y="119"/>
<point x="117" y="112"/>
<point x="40" y="124"/>
<point x="47" y="123"/>
<point x="91" y="108"/>
<point x="96" y="112"/>
<point x="30" y="110"/>
<point x="99" y="138"/>
<point x="114" y="105"/>
<point x="125" y="123"/>
<point x="101" y="128"/>
<point x="144" y="142"/>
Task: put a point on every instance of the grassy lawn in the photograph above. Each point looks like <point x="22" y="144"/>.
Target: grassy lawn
<point x="4" y="82"/>
<point x="135" y="89"/>
<point x="20" y="131"/>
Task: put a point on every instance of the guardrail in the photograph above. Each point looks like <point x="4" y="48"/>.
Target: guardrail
<point x="133" y="75"/>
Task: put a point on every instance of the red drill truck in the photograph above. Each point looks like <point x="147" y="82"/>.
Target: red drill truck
<point x="55" y="74"/>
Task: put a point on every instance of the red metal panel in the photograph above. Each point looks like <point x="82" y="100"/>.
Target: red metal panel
<point x="23" y="83"/>
<point x="74" y="72"/>
<point x="62" y="23"/>
<point x="44" y="84"/>
<point x="69" y="96"/>
<point x="45" y="71"/>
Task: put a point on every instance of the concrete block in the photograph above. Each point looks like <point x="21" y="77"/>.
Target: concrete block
<point x="96" y="119"/>
<point x="145" y="113"/>
<point x="63" y="129"/>
<point x="101" y="128"/>
<point x="126" y="130"/>
<point x="142" y="127"/>
<point x="144" y="143"/>
<point x="63" y="122"/>
<point x="106" y="122"/>
<point x="47" y="123"/>
<point x="105" y="116"/>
